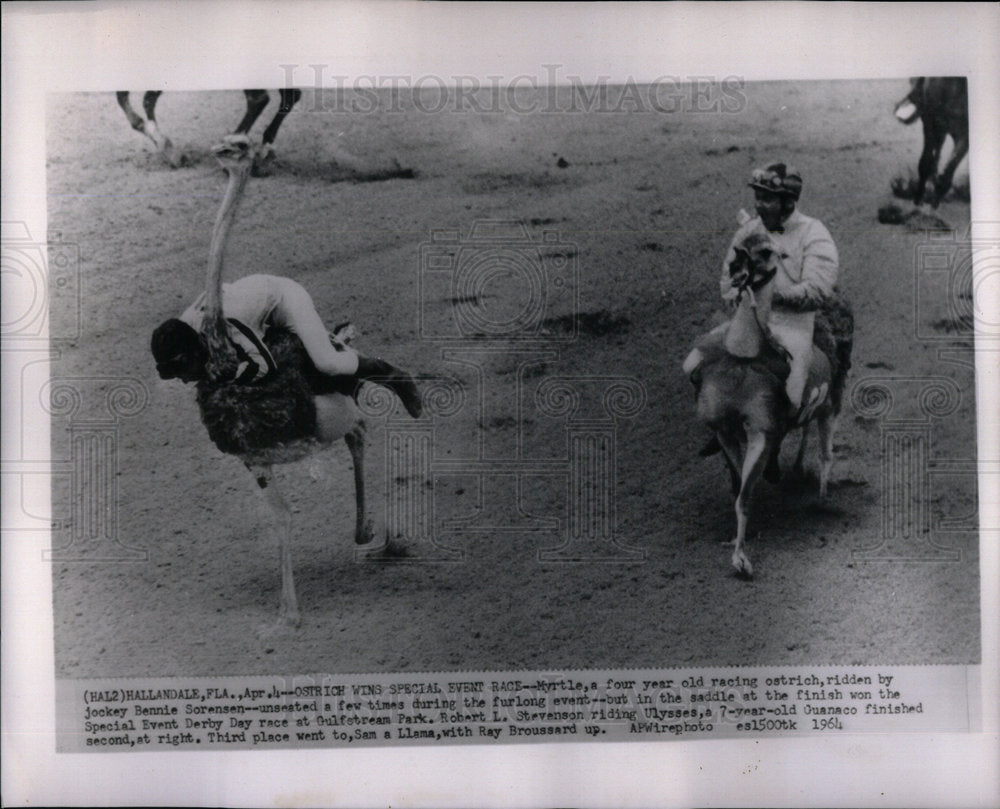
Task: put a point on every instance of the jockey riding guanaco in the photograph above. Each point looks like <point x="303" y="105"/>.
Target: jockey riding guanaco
<point x="808" y="267"/>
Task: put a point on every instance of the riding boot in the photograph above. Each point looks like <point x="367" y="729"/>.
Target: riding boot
<point x="395" y="379"/>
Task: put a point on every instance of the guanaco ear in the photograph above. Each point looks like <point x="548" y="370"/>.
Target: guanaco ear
<point x="740" y="261"/>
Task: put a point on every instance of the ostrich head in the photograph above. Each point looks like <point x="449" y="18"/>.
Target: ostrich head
<point x="235" y="153"/>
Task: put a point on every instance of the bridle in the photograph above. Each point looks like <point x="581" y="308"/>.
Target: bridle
<point x="746" y="280"/>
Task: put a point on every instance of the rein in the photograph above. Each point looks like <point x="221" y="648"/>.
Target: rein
<point x="747" y="289"/>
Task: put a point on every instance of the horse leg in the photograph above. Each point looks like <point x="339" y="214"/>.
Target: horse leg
<point x="262" y="163"/>
<point x="256" y="101"/>
<point x="164" y="144"/>
<point x="827" y="424"/>
<point x="355" y="441"/>
<point x="147" y="126"/>
<point x="759" y="447"/>
<point x="927" y="167"/>
<point x="289" y="98"/>
<point x="944" y="179"/>
<point x="288" y="614"/>
<point x="136" y="121"/>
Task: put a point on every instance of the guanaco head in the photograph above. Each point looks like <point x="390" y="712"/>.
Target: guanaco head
<point x="754" y="265"/>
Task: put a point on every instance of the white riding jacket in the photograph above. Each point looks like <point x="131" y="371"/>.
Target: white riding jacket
<point x="809" y="272"/>
<point x="255" y="302"/>
<point x="808" y="267"/>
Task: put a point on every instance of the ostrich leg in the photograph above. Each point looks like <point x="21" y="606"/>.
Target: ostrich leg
<point x="288" y="613"/>
<point x="355" y="441"/>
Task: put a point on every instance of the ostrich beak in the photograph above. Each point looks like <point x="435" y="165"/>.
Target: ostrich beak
<point x="233" y="147"/>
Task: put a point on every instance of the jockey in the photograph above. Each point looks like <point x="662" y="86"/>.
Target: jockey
<point x="251" y="305"/>
<point x="807" y="267"/>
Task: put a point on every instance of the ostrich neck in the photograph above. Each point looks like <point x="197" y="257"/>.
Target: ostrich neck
<point x="220" y="236"/>
<point x="745" y="336"/>
<point x="222" y="360"/>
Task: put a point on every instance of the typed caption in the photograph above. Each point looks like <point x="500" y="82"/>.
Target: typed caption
<point x="319" y="711"/>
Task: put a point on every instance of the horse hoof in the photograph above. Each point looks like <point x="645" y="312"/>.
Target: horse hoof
<point x="175" y="158"/>
<point x="263" y="164"/>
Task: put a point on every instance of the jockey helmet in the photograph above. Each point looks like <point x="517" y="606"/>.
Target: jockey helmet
<point x="176" y="347"/>
<point x="778" y="179"/>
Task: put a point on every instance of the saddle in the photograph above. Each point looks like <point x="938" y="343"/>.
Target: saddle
<point x="831" y="358"/>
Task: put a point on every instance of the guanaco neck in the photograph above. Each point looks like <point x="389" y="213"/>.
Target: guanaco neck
<point x="222" y="361"/>
<point x="746" y="336"/>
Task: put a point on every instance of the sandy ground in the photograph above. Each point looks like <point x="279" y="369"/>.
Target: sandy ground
<point x="647" y="203"/>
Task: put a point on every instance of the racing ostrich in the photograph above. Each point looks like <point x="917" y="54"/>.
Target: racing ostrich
<point x="292" y="413"/>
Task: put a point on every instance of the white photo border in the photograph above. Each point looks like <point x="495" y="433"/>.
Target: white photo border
<point x="89" y="46"/>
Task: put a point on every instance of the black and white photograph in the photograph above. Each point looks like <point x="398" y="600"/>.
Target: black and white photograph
<point x="516" y="401"/>
<point x="539" y="453"/>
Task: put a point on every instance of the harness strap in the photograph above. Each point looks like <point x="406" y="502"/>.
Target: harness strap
<point x="255" y="361"/>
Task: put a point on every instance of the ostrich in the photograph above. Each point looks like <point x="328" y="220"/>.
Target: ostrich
<point x="256" y="101"/>
<point x="740" y="383"/>
<point x="290" y="414"/>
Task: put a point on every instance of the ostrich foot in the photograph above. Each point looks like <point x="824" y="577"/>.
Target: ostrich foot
<point x="365" y="533"/>
<point x="742" y="566"/>
<point x="741" y="563"/>
<point x="263" y="162"/>
<point x="281" y="627"/>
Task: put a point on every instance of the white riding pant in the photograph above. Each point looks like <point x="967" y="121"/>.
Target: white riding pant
<point x="298" y="313"/>
<point x="794" y="330"/>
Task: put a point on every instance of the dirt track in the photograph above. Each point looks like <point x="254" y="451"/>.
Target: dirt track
<point x="648" y="203"/>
